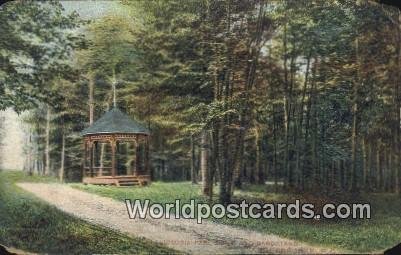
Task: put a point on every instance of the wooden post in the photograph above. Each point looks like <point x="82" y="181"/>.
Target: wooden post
<point x="85" y="158"/>
<point x="128" y="161"/>
<point x="91" y="157"/>
<point x="147" y="155"/>
<point x="135" y="167"/>
<point x="100" y="164"/>
<point x="138" y="157"/>
<point x="113" y="157"/>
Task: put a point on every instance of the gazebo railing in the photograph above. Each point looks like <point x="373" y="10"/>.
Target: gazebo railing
<point x="98" y="171"/>
<point x="138" y="166"/>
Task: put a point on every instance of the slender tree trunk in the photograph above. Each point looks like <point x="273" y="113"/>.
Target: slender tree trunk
<point x="314" y="148"/>
<point x="307" y="171"/>
<point x="286" y="105"/>
<point x="338" y="176"/>
<point x="258" y="175"/>
<point x="91" y="103"/>
<point x="30" y="167"/>
<point x="365" y="163"/>
<point x="354" y="137"/>
<point x="391" y="175"/>
<point x="204" y="165"/>
<point x="299" y="128"/>
<point x="383" y="172"/>
<point x="343" y="174"/>
<point x="227" y="174"/>
<point x="254" y="47"/>
<point x="47" y="142"/>
<point x="198" y="162"/>
<point x="193" y="161"/>
<point x="225" y="180"/>
<point x="369" y="166"/>
<point x="398" y="111"/>
<point x="103" y="147"/>
<point x="238" y="158"/>
<point x="216" y="153"/>
<point x="62" y="159"/>
<point x="315" y="151"/>
<point x="374" y="170"/>
<point x="213" y="164"/>
<point x="275" y="170"/>
<point x="378" y="169"/>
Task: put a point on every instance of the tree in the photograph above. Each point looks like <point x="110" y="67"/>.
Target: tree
<point x="36" y="42"/>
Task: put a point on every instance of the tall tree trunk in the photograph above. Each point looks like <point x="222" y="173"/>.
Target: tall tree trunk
<point x="354" y="136"/>
<point x="343" y="174"/>
<point x="91" y="104"/>
<point x="30" y="162"/>
<point x="312" y="116"/>
<point x="315" y="162"/>
<point x="204" y="165"/>
<point x="286" y="104"/>
<point x="275" y="170"/>
<point x="225" y="173"/>
<point x="239" y="157"/>
<point x="307" y="171"/>
<point x="398" y="111"/>
<point x="103" y="147"/>
<point x="301" y="172"/>
<point x="365" y="163"/>
<point x="193" y="161"/>
<point x="213" y="164"/>
<point x="388" y="172"/>
<point x="259" y="175"/>
<point x="254" y="48"/>
<point x="226" y="165"/>
<point x="62" y="159"/>
<point x="378" y="169"/>
<point x="47" y="142"/>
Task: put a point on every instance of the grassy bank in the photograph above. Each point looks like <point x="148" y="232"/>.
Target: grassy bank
<point x="29" y="224"/>
<point x="380" y="232"/>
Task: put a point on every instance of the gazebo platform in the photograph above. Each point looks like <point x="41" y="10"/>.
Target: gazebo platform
<point x="121" y="180"/>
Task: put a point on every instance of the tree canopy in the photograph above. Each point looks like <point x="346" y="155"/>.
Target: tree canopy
<point x="304" y="94"/>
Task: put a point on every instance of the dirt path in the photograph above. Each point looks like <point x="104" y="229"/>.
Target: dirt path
<point x="180" y="234"/>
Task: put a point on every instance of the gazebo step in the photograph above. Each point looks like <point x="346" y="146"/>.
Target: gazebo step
<point x="119" y="176"/>
<point x="128" y="183"/>
<point x="99" y="181"/>
<point x="126" y="180"/>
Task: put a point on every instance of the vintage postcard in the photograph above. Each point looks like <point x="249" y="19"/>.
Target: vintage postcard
<point x="200" y="127"/>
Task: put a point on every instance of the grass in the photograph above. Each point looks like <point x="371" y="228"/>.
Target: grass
<point x="29" y="224"/>
<point x="380" y="232"/>
<point x="160" y="192"/>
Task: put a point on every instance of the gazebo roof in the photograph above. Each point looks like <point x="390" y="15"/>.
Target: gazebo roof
<point x="115" y="122"/>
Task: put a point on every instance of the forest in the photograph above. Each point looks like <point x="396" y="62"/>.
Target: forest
<point x="301" y="94"/>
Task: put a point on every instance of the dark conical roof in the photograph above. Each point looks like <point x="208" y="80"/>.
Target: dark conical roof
<point x="115" y="121"/>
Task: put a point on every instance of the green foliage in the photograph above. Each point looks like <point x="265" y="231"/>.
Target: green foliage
<point x="36" y="44"/>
